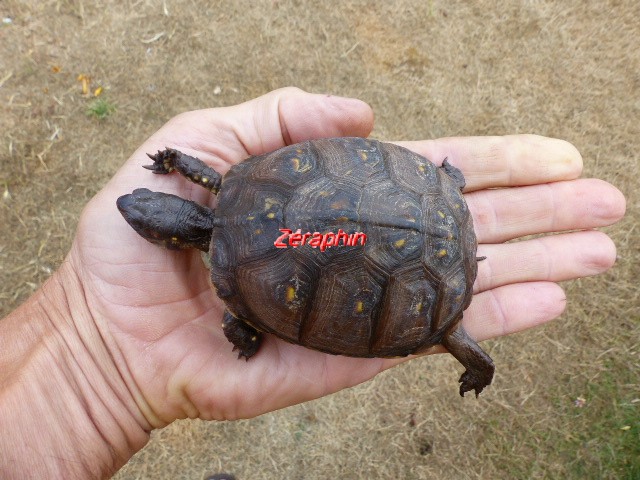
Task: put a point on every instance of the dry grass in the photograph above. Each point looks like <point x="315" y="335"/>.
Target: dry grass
<point x="565" y="69"/>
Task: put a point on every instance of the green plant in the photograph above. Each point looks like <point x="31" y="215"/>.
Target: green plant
<point x="100" y="108"/>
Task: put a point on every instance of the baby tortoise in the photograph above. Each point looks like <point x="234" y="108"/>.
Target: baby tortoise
<point x="401" y="292"/>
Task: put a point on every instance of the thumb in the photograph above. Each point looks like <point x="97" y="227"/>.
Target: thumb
<point x="291" y="115"/>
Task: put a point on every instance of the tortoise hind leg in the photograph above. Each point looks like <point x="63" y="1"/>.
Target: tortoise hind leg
<point x="479" y="366"/>
<point x="243" y="336"/>
<point x="455" y="173"/>
<point x="169" y="159"/>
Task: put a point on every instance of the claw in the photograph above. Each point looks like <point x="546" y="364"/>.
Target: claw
<point x="468" y="383"/>
<point x="162" y="162"/>
<point x="463" y="391"/>
<point x="241" y="354"/>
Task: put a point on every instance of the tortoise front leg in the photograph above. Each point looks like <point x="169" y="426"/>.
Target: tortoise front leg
<point x="479" y="366"/>
<point x="168" y="160"/>
<point x="243" y="336"/>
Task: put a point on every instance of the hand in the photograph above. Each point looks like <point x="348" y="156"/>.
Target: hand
<point x="160" y="320"/>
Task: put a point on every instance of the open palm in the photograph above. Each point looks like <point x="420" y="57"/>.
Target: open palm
<point x="160" y="320"/>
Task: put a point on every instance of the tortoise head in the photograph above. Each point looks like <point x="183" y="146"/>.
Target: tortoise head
<point x="167" y="220"/>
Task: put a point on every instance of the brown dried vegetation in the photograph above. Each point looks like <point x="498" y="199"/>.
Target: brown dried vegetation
<point x="563" y="393"/>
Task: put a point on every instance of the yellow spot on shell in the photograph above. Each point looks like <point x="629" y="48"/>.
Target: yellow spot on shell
<point x="251" y="217"/>
<point x="271" y="215"/>
<point x="441" y="214"/>
<point x="257" y="231"/>
<point x="419" y="307"/>
<point x="205" y="180"/>
<point x="363" y="156"/>
<point x="291" y="294"/>
<point x="174" y="239"/>
<point x="301" y="166"/>
<point x="270" y="202"/>
<point x="342" y="219"/>
<point x="298" y="150"/>
<point x="421" y="168"/>
<point x="441" y="253"/>
<point x="254" y="338"/>
<point x="400" y="243"/>
<point x="359" y="307"/>
<point x="339" y="204"/>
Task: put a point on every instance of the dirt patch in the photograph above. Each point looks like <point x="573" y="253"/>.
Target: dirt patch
<point x="429" y="69"/>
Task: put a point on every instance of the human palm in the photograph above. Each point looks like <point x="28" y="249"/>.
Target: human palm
<point x="160" y="320"/>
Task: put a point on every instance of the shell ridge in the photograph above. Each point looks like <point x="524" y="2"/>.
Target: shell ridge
<point x="306" y="325"/>
<point x="379" y="310"/>
<point x="439" y="326"/>
<point x="310" y="303"/>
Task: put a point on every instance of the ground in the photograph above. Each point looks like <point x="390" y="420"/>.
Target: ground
<point x="565" y="400"/>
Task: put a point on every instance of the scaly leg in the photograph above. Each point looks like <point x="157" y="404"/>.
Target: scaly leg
<point x="479" y="366"/>
<point x="168" y="160"/>
<point x="454" y="173"/>
<point x="243" y="336"/>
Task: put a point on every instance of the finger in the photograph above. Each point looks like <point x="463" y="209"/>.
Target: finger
<point x="553" y="258"/>
<point x="504" y="161"/>
<point x="504" y="214"/>
<point x="513" y="308"/>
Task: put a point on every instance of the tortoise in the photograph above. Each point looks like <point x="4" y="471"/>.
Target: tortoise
<point x="398" y="290"/>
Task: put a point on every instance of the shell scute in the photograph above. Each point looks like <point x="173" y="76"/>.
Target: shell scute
<point x="411" y="171"/>
<point x="355" y="161"/>
<point x="408" y="306"/>
<point x="277" y="289"/>
<point x="288" y="167"/>
<point x="442" y="236"/>
<point x="350" y="303"/>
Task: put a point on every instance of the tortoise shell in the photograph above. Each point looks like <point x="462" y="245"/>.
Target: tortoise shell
<point x="398" y="293"/>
